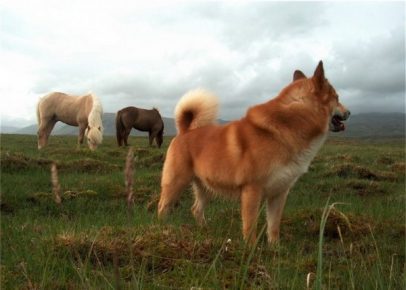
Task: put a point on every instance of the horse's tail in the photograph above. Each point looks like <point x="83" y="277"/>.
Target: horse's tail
<point x="38" y="110"/>
<point x="197" y="108"/>
<point x="38" y="113"/>
<point x="119" y="128"/>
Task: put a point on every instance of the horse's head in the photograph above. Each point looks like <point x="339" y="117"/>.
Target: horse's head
<point x="94" y="136"/>
<point x="160" y="138"/>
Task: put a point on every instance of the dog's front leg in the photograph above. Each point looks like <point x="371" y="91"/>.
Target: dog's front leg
<point x="251" y="197"/>
<point x="274" y="209"/>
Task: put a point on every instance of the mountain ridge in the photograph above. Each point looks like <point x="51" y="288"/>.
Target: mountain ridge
<point x="360" y="125"/>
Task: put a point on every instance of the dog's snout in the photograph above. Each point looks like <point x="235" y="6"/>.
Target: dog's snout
<point x="343" y="112"/>
<point x="346" y="114"/>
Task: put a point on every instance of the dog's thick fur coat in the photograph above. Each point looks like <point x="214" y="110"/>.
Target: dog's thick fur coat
<point x="256" y="158"/>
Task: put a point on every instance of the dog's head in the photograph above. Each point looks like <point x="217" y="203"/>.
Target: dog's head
<point x="324" y="94"/>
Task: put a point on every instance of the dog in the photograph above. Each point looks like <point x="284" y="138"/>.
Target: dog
<point x="257" y="158"/>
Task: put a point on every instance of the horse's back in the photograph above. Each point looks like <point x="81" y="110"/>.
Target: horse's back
<point x="141" y="119"/>
<point x="65" y="108"/>
<point x="57" y="99"/>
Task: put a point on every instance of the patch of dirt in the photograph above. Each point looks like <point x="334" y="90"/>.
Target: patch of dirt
<point x="6" y="208"/>
<point x="340" y="158"/>
<point x="365" y="188"/>
<point x="67" y="195"/>
<point x="11" y="162"/>
<point x="350" y="225"/>
<point x="349" y="170"/>
<point x="386" y="160"/>
<point x="399" y="167"/>
<point x="160" y="247"/>
<point x="150" y="161"/>
<point x="87" y="165"/>
<point x="141" y="194"/>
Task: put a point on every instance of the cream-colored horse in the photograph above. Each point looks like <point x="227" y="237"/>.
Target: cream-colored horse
<point x="83" y="111"/>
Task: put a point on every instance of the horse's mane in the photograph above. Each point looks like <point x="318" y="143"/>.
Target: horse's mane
<point x="95" y="115"/>
<point x="156" y="110"/>
<point x="95" y="124"/>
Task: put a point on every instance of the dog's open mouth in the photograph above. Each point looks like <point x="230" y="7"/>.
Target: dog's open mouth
<point x="337" y="124"/>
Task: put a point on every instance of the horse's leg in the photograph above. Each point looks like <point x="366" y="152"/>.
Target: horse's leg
<point x="82" y="130"/>
<point x="44" y="131"/>
<point x="153" y="135"/>
<point x="151" y="138"/>
<point x="41" y="135"/>
<point x="159" y="138"/>
<point x="126" y="134"/>
<point x="119" y="136"/>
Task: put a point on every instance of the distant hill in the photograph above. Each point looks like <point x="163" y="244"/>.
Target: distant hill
<point x="8" y="129"/>
<point x="108" y="124"/>
<point x="375" y="125"/>
<point x="361" y="125"/>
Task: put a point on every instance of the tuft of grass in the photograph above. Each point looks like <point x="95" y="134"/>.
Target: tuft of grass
<point x="326" y="212"/>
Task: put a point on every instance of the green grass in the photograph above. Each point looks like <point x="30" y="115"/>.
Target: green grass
<point x="94" y="241"/>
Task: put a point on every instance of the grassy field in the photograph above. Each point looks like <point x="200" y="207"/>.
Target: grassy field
<point x="93" y="240"/>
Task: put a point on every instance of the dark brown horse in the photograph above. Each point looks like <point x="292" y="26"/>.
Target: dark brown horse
<point x="141" y="119"/>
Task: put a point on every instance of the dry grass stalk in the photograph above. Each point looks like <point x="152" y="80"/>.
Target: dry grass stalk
<point x="309" y="277"/>
<point x="56" y="187"/>
<point x="25" y="273"/>
<point x="128" y="174"/>
<point x="116" y="270"/>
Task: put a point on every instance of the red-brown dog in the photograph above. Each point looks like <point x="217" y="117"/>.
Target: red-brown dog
<point x="257" y="158"/>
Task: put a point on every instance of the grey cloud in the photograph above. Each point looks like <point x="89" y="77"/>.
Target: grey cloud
<point x="266" y="42"/>
<point x="374" y="66"/>
<point x="248" y="23"/>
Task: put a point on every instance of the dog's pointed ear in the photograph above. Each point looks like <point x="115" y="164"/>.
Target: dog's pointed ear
<point x="319" y="75"/>
<point x="297" y="75"/>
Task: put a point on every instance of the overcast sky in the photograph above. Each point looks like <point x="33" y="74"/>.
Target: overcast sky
<point x="148" y="53"/>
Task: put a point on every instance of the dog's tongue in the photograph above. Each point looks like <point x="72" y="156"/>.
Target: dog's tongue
<point x="338" y="124"/>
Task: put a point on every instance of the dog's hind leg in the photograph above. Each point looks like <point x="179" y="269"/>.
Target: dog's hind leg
<point x="251" y="197"/>
<point x="202" y="197"/>
<point x="170" y="193"/>
<point x="176" y="175"/>
<point x="274" y="209"/>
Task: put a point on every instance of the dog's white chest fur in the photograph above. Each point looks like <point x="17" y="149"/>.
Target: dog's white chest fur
<point x="283" y="177"/>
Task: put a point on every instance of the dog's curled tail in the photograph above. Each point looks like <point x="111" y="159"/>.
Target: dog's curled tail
<point x="196" y="108"/>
